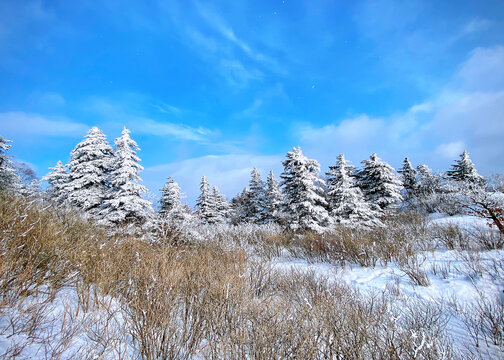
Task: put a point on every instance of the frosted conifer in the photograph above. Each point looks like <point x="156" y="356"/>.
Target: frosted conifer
<point x="428" y="183"/>
<point x="57" y="180"/>
<point x="273" y="198"/>
<point x="464" y="170"/>
<point x="304" y="204"/>
<point x="170" y="196"/>
<point x="124" y="203"/>
<point x="222" y="209"/>
<point x="176" y="219"/>
<point x="8" y="177"/>
<point x="347" y="205"/>
<point x="408" y="177"/>
<point x="379" y="184"/>
<point x="240" y="204"/>
<point x="257" y="197"/>
<point x="429" y="192"/>
<point x="90" y="165"/>
<point x="206" y="204"/>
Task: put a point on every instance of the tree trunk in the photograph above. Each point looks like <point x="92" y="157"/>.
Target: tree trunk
<point x="495" y="219"/>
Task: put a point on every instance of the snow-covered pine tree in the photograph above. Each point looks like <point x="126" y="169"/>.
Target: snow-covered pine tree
<point x="273" y="198"/>
<point x="9" y="180"/>
<point x="124" y="203"/>
<point x="176" y="221"/>
<point x="90" y="165"/>
<point x="57" y="180"/>
<point x="464" y="170"/>
<point x="206" y="203"/>
<point x="379" y="184"/>
<point x="428" y="183"/>
<point x="408" y="177"/>
<point x="222" y="209"/>
<point x="257" y="197"/>
<point x="304" y="204"/>
<point x="347" y="205"/>
<point x="429" y="193"/>
<point x="170" y="196"/>
<point x="240" y="206"/>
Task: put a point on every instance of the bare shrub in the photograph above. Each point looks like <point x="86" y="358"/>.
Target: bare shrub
<point x="120" y="297"/>
<point x="316" y="247"/>
<point x="273" y="245"/>
<point x="413" y="330"/>
<point x="471" y="264"/>
<point x="486" y="239"/>
<point x="442" y="269"/>
<point x="403" y="235"/>
<point x="496" y="269"/>
<point x="484" y="321"/>
<point x="412" y="266"/>
<point x="451" y="236"/>
<point x="164" y="301"/>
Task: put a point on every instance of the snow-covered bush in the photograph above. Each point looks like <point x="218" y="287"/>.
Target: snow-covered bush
<point x="429" y="195"/>
<point x="177" y="226"/>
<point x="479" y="200"/>
<point x="484" y="321"/>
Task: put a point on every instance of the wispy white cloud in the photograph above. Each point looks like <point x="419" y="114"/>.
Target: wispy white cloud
<point x="16" y="16"/>
<point x="467" y="113"/>
<point x="206" y="42"/>
<point x="414" y="40"/>
<point x="265" y="97"/>
<point x="229" y="66"/>
<point x="251" y="111"/>
<point x="158" y="128"/>
<point x="450" y="150"/>
<point x="237" y="74"/>
<point x="206" y="31"/>
<point x="216" y="22"/>
<point x="476" y="25"/>
<point x="19" y="123"/>
<point x="483" y="70"/>
<point x="117" y="113"/>
<point x="167" y="109"/>
<point x="230" y="172"/>
<point x="51" y="99"/>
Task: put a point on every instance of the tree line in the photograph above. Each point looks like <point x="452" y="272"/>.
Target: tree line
<point x="103" y="182"/>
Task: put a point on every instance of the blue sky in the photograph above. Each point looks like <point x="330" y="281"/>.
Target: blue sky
<point x="218" y="87"/>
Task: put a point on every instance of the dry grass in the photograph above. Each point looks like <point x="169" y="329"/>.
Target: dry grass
<point x="404" y="235"/>
<point x="132" y="299"/>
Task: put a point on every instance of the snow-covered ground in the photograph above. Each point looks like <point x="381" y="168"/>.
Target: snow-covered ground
<point x="65" y="327"/>
<point x="458" y="279"/>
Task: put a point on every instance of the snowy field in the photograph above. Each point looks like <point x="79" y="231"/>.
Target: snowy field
<point x="458" y="282"/>
<point x="460" y="286"/>
<point x="452" y="285"/>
